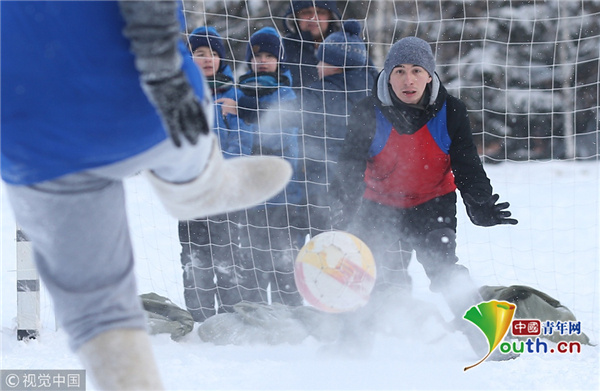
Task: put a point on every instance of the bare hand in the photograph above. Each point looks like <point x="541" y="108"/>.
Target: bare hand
<point x="228" y="106"/>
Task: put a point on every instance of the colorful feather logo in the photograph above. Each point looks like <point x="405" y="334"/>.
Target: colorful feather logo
<point x="494" y="319"/>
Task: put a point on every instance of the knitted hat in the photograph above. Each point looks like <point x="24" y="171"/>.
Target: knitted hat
<point x="344" y="48"/>
<point x="296" y="6"/>
<point x="267" y="40"/>
<point x="209" y="37"/>
<point x="410" y="50"/>
<point x="331" y="6"/>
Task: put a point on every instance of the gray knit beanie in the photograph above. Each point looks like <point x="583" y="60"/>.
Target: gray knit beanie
<point x="410" y="50"/>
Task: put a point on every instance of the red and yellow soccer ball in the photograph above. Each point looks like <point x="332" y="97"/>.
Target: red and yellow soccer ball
<point x="335" y="272"/>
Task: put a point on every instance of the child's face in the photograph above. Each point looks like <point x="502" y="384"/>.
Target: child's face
<point x="408" y="82"/>
<point x="314" y="19"/>
<point x="207" y="60"/>
<point x="264" y="62"/>
<point x="324" y="69"/>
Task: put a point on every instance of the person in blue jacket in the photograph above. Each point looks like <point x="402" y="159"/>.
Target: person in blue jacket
<point x="209" y="245"/>
<point x="408" y="149"/>
<point x="270" y="106"/>
<point x="209" y="55"/>
<point x="326" y="105"/>
<point x="93" y="92"/>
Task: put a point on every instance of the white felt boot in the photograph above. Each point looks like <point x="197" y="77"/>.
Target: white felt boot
<point x="121" y="359"/>
<point x="224" y="185"/>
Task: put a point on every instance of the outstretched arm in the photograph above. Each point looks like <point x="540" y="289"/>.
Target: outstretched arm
<point x="470" y="177"/>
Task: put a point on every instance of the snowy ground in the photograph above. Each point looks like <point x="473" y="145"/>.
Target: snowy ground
<point x="555" y="248"/>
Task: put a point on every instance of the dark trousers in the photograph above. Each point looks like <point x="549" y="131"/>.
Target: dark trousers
<point x="273" y="246"/>
<point x="429" y="229"/>
<point x="318" y="208"/>
<point x="216" y="275"/>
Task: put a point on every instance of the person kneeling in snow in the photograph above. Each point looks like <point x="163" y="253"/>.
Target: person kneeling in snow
<point x="408" y="148"/>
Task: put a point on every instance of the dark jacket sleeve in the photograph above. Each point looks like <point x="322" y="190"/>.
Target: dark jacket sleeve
<point x="248" y="107"/>
<point x="313" y="112"/>
<point x="349" y="187"/>
<point x="469" y="175"/>
<point x="301" y="59"/>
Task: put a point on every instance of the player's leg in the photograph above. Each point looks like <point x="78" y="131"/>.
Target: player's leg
<point x="318" y="208"/>
<point x="299" y="224"/>
<point x="432" y="230"/>
<point x="225" y="238"/>
<point x="78" y="228"/>
<point x="394" y="266"/>
<point x="378" y="226"/>
<point x="453" y="281"/>
<point x="284" y="248"/>
<point x="254" y="257"/>
<point x="222" y="185"/>
<point x="195" y="181"/>
<point x="198" y="269"/>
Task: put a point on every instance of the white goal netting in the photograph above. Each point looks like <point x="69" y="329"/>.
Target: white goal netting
<point x="528" y="72"/>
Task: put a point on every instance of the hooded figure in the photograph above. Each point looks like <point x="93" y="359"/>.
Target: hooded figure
<point x="307" y="24"/>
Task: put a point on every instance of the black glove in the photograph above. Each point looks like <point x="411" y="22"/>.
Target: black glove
<point x="181" y="112"/>
<point x="487" y="213"/>
<point x="153" y="30"/>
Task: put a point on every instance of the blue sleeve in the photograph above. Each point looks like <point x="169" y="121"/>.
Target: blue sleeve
<point x="239" y="137"/>
<point x="235" y="134"/>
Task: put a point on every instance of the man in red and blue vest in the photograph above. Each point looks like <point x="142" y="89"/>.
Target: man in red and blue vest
<point x="408" y="148"/>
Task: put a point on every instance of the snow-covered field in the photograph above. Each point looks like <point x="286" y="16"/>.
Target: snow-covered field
<point x="555" y="248"/>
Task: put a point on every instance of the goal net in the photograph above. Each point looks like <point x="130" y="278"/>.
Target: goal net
<point x="528" y="72"/>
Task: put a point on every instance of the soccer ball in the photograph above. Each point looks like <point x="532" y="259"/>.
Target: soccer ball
<point x="335" y="272"/>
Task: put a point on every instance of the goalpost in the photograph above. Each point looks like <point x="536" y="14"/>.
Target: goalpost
<point x="528" y="72"/>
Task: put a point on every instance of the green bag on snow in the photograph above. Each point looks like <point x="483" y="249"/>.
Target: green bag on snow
<point x="166" y="317"/>
<point x="533" y="304"/>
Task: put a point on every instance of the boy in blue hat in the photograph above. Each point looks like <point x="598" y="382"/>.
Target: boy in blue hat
<point x="269" y="104"/>
<point x="209" y="245"/>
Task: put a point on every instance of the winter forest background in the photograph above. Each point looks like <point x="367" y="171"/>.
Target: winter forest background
<point x="527" y="70"/>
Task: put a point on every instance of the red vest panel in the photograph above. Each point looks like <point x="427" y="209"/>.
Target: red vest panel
<point x="410" y="169"/>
